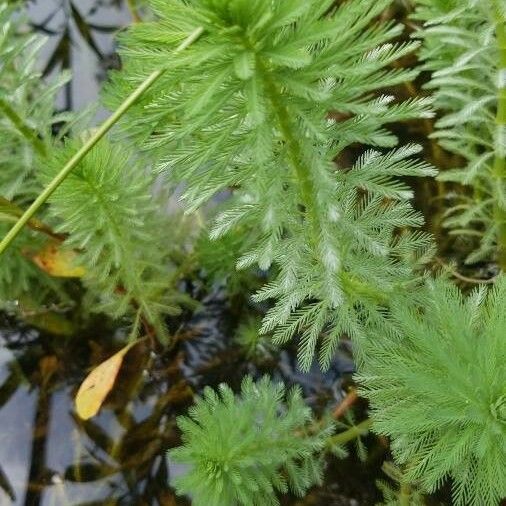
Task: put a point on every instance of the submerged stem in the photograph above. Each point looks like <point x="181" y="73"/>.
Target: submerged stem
<point x="90" y="144"/>
<point x="352" y="433"/>
<point x="132" y="8"/>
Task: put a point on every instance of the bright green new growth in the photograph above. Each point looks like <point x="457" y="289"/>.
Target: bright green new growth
<point x="264" y="103"/>
<point x="465" y="49"/>
<point x="437" y="387"/>
<point x="107" y="207"/>
<point x="243" y="450"/>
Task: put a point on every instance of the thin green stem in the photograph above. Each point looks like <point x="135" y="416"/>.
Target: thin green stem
<point x="23" y="128"/>
<point x="90" y="144"/>
<point x="499" y="169"/>
<point x="354" y="285"/>
<point x="134" y="333"/>
<point x="352" y="433"/>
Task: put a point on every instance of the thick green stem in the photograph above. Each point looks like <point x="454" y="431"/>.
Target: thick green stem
<point x="352" y="433"/>
<point x="304" y="178"/>
<point x="23" y="128"/>
<point x="405" y="494"/>
<point x="89" y="145"/>
<point x="499" y="170"/>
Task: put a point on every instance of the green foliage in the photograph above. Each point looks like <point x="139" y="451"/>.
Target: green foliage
<point x="218" y="257"/>
<point x="249" y="107"/>
<point x="268" y="107"/>
<point x="462" y="51"/>
<point x="242" y="450"/>
<point x="26" y="119"/>
<point x="393" y="497"/>
<point x="437" y="387"/>
<point x="32" y="100"/>
<point x="257" y="347"/>
<point x="265" y="105"/>
<point x="107" y="209"/>
<point x="404" y="494"/>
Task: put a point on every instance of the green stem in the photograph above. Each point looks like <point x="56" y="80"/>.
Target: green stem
<point x="23" y="128"/>
<point x="90" y="144"/>
<point x="499" y="169"/>
<point x="302" y="171"/>
<point x="405" y="494"/>
<point x="352" y="433"/>
<point x="307" y="189"/>
<point x="352" y="285"/>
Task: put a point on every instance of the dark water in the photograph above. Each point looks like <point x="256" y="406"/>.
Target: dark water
<point x="49" y="457"/>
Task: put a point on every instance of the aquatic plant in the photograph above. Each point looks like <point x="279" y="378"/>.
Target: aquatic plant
<point x="255" y="346"/>
<point x="464" y="47"/>
<point x="102" y="223"/>
<point x="264" y="103"/>
<point x="217" y="258"/>
<point x="244" y="449"/>
<point x="402" y="492"/>
<point x="283" y="108"/>
<point x="108" y="213"/>
<point x="437" y="388"/>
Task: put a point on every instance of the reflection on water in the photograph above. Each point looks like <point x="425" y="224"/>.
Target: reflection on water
<point x="81" y="39"/>
<point x="16" y="415"/>
<point x="49" y="457"/>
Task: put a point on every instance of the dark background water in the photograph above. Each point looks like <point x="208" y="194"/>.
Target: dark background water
<point x="48" y="457"/>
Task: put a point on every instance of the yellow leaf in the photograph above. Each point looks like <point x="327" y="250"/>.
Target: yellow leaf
<point x="58" y="262"/>
<point x="94" y="389"/>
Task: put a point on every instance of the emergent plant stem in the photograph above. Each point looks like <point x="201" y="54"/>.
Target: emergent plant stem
<point x="352" y="433"/>
<point x="90" y="144"/>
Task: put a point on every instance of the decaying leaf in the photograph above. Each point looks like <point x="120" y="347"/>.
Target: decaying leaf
<point x="94" y="389"/>
<point x="58" y="262"/>
<point x="52" y="322"/>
